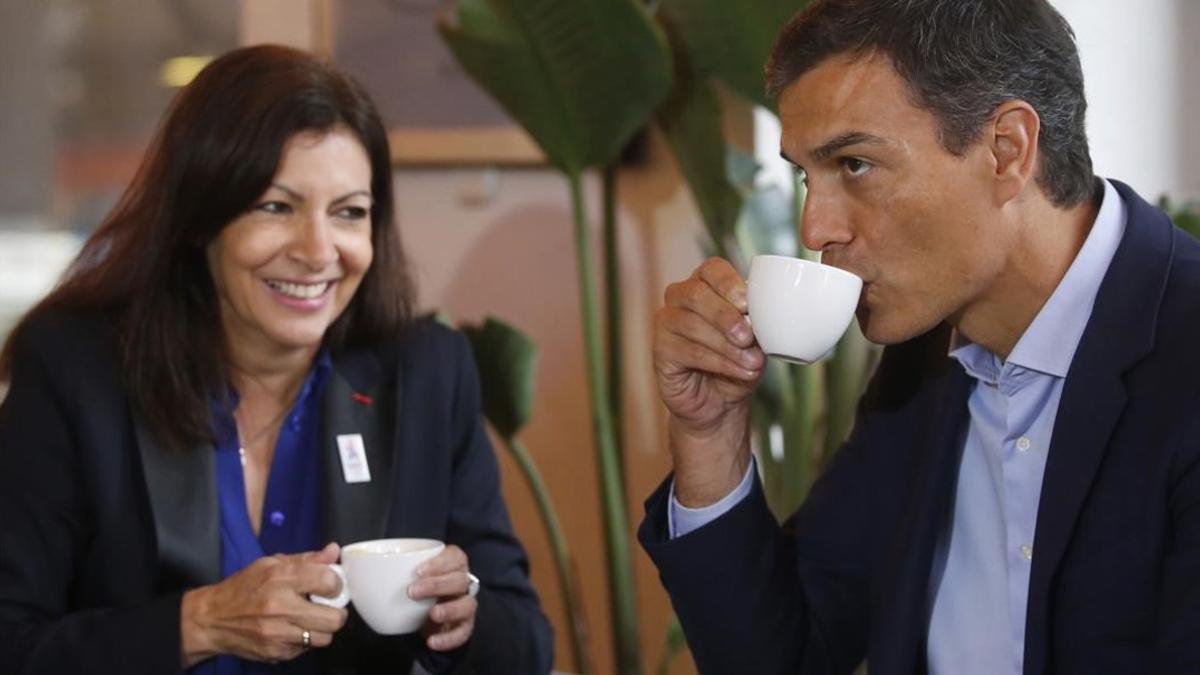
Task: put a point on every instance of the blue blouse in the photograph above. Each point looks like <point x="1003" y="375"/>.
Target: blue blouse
<point x="291" y="519"/>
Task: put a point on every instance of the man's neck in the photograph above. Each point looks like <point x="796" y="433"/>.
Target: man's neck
<point x="1047" y="241"/>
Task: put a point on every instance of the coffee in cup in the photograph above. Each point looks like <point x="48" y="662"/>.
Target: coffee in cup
<point x="376" y="575"/>
<point x="799" y="309"/>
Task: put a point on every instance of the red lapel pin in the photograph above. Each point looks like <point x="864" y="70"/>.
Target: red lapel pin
<point x="362" y="398"/>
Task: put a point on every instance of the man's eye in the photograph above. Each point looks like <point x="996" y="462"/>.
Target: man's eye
<point x="855" y="167"/>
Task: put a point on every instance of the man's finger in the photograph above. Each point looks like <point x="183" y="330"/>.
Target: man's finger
<point x="719" y="274"/>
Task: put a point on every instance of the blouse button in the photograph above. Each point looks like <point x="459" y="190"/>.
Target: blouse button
<point x="277" y="518"/>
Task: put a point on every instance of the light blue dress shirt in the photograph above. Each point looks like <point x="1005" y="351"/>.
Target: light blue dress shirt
<point x="979" y="584"/>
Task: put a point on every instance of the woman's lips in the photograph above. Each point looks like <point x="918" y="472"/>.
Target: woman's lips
<point x="300" y="295"/>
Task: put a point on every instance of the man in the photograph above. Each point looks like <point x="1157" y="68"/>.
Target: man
<point x="1020" y="493"/>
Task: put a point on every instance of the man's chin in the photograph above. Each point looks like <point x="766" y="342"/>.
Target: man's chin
<point x="878" y="329"/>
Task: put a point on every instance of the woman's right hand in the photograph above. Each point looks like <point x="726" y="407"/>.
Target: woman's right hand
<point x="708" y="365"/>
<point x="261" y="612"/>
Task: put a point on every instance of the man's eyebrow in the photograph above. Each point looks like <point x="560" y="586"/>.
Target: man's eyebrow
<point x="830" y="147"/>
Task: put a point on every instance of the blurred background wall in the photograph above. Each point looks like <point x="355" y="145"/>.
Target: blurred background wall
<point x="83" y="86"/>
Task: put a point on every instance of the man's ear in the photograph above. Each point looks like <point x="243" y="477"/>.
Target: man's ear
<point x="1012" y="136"/>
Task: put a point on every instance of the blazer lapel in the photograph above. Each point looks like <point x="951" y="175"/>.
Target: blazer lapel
<point x="182" y="487"/>
<point x="353" y="405"/>
<point x="1120" y="332"/>
<point x="900" y="633"/>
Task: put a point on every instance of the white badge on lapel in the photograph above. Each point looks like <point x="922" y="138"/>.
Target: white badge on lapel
<point x="354" y="458"/>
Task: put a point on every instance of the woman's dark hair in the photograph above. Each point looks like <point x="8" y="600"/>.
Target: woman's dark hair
<point x="961" y="59"/>
<point x="212" y="158"/>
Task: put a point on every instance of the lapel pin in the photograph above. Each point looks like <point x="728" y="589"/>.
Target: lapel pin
<point x="362" y="398"/>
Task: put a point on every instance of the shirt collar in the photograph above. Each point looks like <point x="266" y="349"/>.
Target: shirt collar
<point x="1048" y="345"/>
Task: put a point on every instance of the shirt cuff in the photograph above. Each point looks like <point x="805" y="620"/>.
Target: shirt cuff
<point x="682" y="520"/>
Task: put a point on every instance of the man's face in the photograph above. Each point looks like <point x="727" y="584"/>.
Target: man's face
<point x="887" y="202"/>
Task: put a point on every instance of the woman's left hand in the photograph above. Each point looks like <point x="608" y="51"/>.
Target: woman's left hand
<point x="446" y="577"/>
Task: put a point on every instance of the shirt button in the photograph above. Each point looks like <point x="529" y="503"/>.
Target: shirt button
<point x="1027" y="551"/>
<point x="1023" y="444"/>
<point x="277" y="518"/>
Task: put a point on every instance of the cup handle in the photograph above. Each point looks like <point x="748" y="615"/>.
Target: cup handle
<point x="343" y="596"/>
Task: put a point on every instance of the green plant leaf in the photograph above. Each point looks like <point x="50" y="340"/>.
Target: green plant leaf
<point x="581" y="76"/>
<point x="507" y="362"/>
<point x="731" y="39"/>
<point x="691" y="123"/>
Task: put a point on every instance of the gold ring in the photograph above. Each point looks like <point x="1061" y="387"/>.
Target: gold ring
<point x="306" y="639"/>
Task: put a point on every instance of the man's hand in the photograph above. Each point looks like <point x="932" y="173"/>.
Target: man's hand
<point x="708" y="365"/>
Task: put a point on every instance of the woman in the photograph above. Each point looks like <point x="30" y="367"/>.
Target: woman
<point x="172" y="439"/>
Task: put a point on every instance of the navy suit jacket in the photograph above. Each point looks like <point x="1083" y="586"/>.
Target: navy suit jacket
<point x="1115" y="582"/>
<point x="103" y="527"/>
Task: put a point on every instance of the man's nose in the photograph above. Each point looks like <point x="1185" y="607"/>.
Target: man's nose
<point x="823" y="222"/>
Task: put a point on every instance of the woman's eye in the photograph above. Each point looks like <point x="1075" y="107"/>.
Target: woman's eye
<point x="353" y="212"/>
<point x="273" y="207"/>
<point x="855" y="167"/>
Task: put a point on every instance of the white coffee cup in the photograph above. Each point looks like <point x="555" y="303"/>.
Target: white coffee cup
<point x="375" y="577"/>
<point x="799" y="309"/>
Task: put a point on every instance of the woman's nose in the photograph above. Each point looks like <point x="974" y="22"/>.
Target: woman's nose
<point x="313" y="245"/>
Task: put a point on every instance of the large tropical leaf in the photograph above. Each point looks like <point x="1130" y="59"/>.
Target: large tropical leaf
<point x="581" y="76"/>
<point x="506" y="359"/>
<point x="691" y="122"/>
<point x="692" y="127"/>
<point x="731" y="39"/>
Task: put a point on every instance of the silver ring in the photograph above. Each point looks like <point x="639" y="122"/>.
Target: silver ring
<point x="472" y="585"/>
<point x="306" y="639"/>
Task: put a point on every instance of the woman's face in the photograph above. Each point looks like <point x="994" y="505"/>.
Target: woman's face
<point x="285" y="270"/>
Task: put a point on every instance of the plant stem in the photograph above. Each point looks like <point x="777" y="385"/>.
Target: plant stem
<point x="612" y="299"/>
<point x="620" y="564"/>
<point x="568" y="579"/>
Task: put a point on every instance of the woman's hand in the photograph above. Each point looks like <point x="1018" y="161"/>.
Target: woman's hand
<point x="446" y="577"/>
<point x="262" y="612"/>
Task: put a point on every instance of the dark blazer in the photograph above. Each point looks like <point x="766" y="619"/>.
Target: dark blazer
<point x="1115" y="582"/>
<point x="103" y="528"/>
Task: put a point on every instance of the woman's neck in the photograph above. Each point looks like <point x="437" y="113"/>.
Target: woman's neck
<point x="268" y="375"/>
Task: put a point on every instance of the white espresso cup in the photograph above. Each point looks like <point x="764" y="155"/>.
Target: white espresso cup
<point x="375" y="577"/>
<point x="799" y="309"/>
